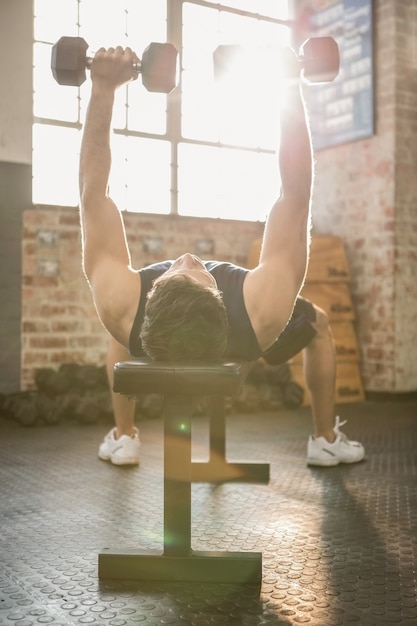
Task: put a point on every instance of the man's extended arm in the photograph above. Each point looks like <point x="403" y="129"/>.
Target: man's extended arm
<point x="290" y="216"/>
<point x="271" y="288"/>
<point x="106" y="258"/>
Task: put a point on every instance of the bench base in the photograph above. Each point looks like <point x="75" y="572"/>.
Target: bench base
<point x="197" y="566"/>
<point x="218" y="470"/>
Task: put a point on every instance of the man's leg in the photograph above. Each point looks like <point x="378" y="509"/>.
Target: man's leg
<point x="329" y="446"/>
<point x="123" y="406"/>
<point x="320" y="376"/>
<point x="309" y="330"/>
<point x="121" y="444"/>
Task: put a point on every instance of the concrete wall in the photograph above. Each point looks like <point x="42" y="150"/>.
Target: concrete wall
<point x="16" y="19"/>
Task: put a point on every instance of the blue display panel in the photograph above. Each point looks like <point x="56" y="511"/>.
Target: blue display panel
<point x="343" y="111"/>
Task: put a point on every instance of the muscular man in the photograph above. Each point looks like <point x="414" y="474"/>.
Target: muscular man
<point x="189" y="309"/>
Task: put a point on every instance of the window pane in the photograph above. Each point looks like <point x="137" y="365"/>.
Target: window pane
<point x="102" y="23"/>
<point x="199" y="116"/>
<point x="269" y="8"/>
<point x="200" y="38"/>
<point x="54" y="19"/>
<point x="146" y="111"/>
<point x="130" y="23"/>
<point x="252" y="33"/>
<point x="220" y="182"/>
<point x="238" y="29"/>
<point x="241" y="109"/>
<point x="200" y="35"/>
<point x="55" y="165"/>
<point x="153" y="14"/>
<point x="140" y="178"/>
<point x="50" y="99"/>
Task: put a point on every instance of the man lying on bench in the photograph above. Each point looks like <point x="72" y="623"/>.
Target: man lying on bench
<point x="191" y="309"/>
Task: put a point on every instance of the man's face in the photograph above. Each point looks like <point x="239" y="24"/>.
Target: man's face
<point x="191" y="265"/>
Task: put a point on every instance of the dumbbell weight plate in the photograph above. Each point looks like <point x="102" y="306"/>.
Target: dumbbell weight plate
<point x="320" y="59"/>
<point x="68" y="61"/>
<point x="159" y="67"/>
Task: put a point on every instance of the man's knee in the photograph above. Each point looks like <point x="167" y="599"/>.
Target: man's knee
<point x="321" y="325"/>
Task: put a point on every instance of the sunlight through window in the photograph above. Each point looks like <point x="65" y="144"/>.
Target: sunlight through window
<point x="56" y="167"/>
<point x="208" y="148"/>
<point x="140" y="178"/>
<point x="227" y="183"/>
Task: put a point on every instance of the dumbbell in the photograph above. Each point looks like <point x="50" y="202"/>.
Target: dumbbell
<point x="158" y="66"/>
<point x="318" y="59"/>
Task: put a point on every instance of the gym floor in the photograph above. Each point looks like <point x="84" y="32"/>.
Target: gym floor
<point x="339" y="544"/>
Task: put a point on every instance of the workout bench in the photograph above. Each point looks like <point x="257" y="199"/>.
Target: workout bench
<point x="182" y="385"/>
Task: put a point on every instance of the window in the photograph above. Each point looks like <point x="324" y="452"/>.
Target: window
<point x="207" y="149"/>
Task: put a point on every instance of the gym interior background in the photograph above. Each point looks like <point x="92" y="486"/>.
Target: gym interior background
<point x="365" y="192"/>
<point x="338" y="545"/>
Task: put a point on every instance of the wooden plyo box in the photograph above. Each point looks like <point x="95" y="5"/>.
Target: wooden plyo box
<point x="328" y="261"/>
<point x="327" y="285"/>
<point x="345" y="343"/>
<point x="348" y="382"/>
<point x="334" y="298"/>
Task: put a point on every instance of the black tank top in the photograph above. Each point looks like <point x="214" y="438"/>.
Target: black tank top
<point x="242" y="342"/>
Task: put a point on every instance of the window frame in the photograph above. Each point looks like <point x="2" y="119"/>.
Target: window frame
<point x="173" y="131"/>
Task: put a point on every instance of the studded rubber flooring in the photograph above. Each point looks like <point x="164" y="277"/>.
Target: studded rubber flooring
<point x="339" y="544"/>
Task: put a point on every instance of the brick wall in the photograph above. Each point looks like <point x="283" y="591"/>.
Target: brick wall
<point x="405" y="249"/>
<point x="366" y="193"/>
<point x="59" y="322"/>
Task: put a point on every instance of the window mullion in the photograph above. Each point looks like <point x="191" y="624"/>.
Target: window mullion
<point x="174" y="36"/>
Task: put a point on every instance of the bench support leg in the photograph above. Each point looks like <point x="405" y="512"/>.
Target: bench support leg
<point x="218" y="469"/>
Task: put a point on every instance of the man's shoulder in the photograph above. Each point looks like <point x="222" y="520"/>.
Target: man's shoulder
<point x="160" y="266"/>
<point x="150" y="272"/>
<point x="223" y="267"/>
<point x="229" y="276"/>
<point x="154" y="270"/>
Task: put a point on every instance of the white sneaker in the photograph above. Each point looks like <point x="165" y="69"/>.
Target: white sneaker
<point x="121" y="451"/>
<point x="342" y="450"/>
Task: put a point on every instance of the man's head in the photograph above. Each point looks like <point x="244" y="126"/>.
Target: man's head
<point x="185" y="317"/>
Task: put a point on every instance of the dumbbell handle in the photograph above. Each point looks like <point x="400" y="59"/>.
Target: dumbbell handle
<point x="137" y="67"/>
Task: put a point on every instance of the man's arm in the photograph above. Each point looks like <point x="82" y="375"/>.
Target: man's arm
<point x="271" y="288"/>
<point x="106" y="259"/>
<point x="287" y="226"/>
